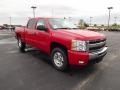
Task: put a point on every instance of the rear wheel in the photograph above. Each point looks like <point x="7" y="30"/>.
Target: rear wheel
<point x="21" y="45"/>
<point x="59" y="59"/>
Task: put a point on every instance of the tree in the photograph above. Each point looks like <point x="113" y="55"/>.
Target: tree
<point x="95" y="25"/>
<point x="114" y="24"/>
<point x="86" y="25"/>
<point x="82" y="24"/>
<point x="102" y="25"/>
<point x="5" y="25"/>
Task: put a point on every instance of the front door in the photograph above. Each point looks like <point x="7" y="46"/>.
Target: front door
<point x="42" y="35"/>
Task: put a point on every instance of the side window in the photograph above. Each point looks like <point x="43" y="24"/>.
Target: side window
<point x="30" y="24"/>
<point x="40" y="24"/>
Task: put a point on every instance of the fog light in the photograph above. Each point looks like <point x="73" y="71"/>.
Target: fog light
<point x="81" y="62"/>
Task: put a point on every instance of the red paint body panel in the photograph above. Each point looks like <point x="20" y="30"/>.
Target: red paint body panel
<point x="42" y="40"/>
<point x="75" y="57"/>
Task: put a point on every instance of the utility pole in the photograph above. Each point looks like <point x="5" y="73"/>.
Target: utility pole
<point x="109" y="8"/>
<point x="34" y="7"/>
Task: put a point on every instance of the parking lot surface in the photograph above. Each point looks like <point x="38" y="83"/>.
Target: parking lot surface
<point x="33" y="71"/>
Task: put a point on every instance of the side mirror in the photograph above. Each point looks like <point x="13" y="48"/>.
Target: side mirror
<point x="41" y="27"/>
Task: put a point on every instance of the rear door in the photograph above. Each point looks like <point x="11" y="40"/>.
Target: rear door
<point x="30" y="32"/>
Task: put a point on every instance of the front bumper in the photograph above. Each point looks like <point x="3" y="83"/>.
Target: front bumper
<point x="83" y="58"/>
<point x="98" y="54"/>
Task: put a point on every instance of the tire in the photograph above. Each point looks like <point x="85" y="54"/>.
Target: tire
<point x="21" y="45"/>
<point x="59" y="59"/>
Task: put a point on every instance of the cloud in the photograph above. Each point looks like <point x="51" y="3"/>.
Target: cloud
<point x="56" y="10"/>
<point x="19" y="17"/>
<point x="20" y="10"/>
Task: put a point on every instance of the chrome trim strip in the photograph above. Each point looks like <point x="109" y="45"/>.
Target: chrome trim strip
<point x="95" y="55"/>
<point x="97" y="44"/>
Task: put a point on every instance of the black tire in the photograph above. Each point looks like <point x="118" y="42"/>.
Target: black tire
<point x="21" y="45"/>
<point x="62" y="56"/>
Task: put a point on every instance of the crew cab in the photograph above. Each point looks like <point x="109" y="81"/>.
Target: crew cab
<point x="62" y="41"/>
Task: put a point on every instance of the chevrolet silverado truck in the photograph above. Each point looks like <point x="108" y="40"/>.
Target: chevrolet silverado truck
<point x="62" y="41"/>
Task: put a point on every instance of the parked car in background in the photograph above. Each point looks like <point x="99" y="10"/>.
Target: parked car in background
<point x="10" y="28"/>
<point x="1" y="27"/>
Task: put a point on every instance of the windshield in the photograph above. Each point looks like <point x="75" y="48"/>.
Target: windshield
<point x="59" y="23"/>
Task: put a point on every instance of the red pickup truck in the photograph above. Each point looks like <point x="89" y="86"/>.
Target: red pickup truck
<point x="62" y="41"/>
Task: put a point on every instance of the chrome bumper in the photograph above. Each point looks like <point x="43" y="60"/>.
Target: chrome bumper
<point x="98" y="54"/>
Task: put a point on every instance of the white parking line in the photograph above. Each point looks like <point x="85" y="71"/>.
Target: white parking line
<point x="12" y="52"/>
<point x="13" y="42"/>
<point x="4" y="34"/>
<point x="92" y="76"/>
<point x="11" y="38"/>
<point x="8" y="41"/>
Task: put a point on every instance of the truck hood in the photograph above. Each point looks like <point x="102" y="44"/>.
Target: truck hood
<point x="82" y="34"/>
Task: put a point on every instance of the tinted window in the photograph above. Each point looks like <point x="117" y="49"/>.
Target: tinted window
<point x="31" y="24"/>
<point x="40" y="22"/>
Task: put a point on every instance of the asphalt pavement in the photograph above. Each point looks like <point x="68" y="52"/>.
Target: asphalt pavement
<point x="33" y="71"/>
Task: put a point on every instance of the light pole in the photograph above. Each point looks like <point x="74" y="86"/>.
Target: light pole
<point x="109" y="8"/>
<point x="33" y="7"/>
<point x="90" y="20"/>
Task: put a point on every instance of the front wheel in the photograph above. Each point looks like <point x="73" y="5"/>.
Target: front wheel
<point x="21" y="45"/>
<point x="59" y="59"/>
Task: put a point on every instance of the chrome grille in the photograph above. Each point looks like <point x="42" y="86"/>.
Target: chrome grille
<point x="96" y="45"/>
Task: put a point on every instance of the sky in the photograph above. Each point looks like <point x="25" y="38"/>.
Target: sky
<point x="20" y="10"/>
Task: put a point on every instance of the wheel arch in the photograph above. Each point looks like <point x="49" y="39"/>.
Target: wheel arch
<point x="55" y="44"/>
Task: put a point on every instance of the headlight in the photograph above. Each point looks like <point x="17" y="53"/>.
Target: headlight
<point x="78" y="45"/>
